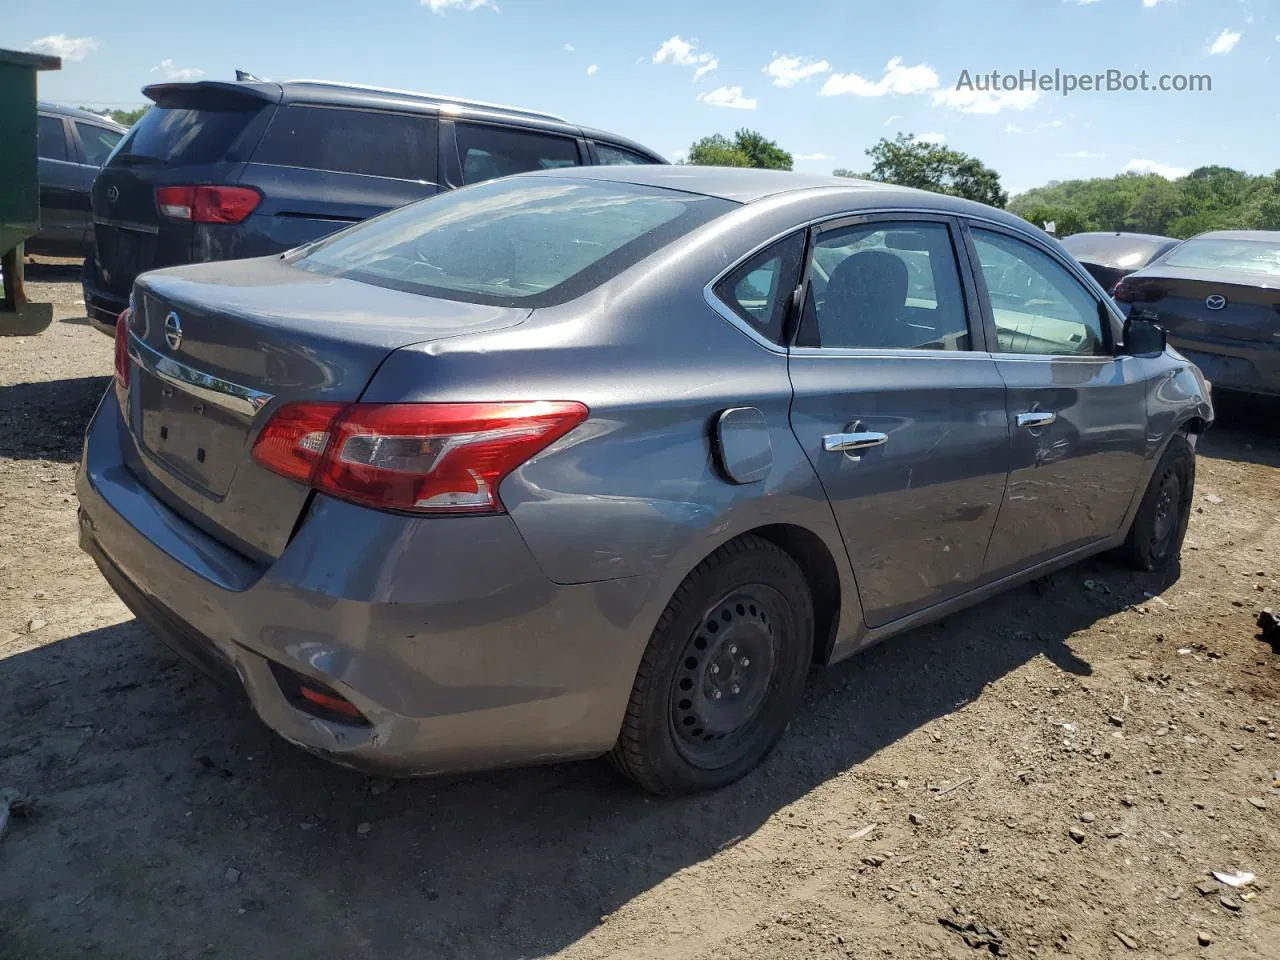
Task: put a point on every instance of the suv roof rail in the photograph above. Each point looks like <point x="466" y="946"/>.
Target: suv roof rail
<point x="460" y="101"/>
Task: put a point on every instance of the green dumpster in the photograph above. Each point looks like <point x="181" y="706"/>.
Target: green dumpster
<point x="19" y="187"/>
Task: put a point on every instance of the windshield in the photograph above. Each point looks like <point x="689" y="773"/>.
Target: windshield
<point x="185" y="135"/>
<point x="1116" y="250"/>
<point x="527" y="241"/>
<point x="1237" y="256"/>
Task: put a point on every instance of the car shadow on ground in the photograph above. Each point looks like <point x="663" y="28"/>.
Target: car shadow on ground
<point x="46" y="420"/>
<point x="1245" y="428"/>
<point x="124" y="741"/>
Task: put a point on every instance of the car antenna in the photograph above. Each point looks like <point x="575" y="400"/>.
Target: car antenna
<point x="246" y="77"/>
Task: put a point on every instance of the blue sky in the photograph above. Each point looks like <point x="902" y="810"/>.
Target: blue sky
<point x="825" y="78"/>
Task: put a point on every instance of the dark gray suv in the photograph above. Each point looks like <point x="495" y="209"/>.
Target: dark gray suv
<point x="72" y="146"/>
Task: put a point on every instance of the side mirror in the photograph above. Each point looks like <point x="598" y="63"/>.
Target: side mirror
<point x="1143" y="338"/>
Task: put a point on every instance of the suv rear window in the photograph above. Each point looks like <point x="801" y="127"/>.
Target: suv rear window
<point x="375" y="143"/>
<point x="187" y="134"/>
<point x="525" y="241"/>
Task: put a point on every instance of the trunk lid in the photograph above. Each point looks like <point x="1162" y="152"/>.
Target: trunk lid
<point x="1182" y="298"/>
<point x="216" y="348"/>
<point x="195" y="133"/>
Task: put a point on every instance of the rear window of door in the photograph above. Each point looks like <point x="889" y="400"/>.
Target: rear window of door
<point x="51" y="143"/>
<point x="97" y="142"/>
<point x="486" y="152"/>
<point x="375" y="143"/>
<point x="885" y="286"/>
<point x="607" y="155"/>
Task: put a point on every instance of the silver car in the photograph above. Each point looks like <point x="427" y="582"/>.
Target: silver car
<point x="604" y="461"/>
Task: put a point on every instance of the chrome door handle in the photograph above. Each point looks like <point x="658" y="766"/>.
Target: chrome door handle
<point x="834" y="442"/>
<point x="1036" y="418"/>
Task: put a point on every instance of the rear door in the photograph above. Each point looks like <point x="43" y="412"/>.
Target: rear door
<point x="197" y="133"/>
<point x="1076" y="411"/>
<point x="62" y="189"/>
<point x="900" y="409"/>
<point x="321" y="168"/>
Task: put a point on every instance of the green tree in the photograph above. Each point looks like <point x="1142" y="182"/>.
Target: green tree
<point x="909" y="162"/>
<point x="747" y="149"/>
<point x="126" y="118"/>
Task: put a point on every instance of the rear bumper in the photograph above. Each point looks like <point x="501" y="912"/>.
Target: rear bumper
<point x="101" y="305"/>
<point x="443" y="632"/>
<point x="1234" y="365"/>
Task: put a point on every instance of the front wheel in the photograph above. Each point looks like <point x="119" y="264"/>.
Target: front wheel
<point x="1155" y="539"/>
<point x="723" y="672"/>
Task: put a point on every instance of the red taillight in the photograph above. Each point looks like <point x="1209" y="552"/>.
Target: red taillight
<point x="1128" y="290"/>
<point x="207" y="203"/>
<point x="292" y="442"/>
<point x="417" y="457"/>
<point x="122" y="348"/>
<point x="328" y="701"/>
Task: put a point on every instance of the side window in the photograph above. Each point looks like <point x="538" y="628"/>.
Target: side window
<point x="608" y="155"/>
<point x="760" y="289"/>
<point x="51" y="139"/>
<point x="487" y="152"/>
<point x="401" y="146"/>
<point x="1039" y="307"/>
<point x="98" y="142"/>
<point x="885" y="286"/>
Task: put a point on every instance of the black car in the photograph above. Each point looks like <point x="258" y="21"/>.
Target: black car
<point x="223" y="170"/>
<point x="1110" y="257"/>
<point x="1218" y="297"/>
<point x="72" y="145"/>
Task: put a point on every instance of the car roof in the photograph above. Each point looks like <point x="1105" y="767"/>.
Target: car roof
<point x="44" y="106"/>
<point x="338" y="93"/>
<point x="1264" y="236"/>
<point x="1121" y="235"/>
<point x="748" y="185"/>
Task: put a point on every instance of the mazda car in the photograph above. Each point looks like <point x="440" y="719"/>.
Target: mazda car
<point x="603" y="461"/>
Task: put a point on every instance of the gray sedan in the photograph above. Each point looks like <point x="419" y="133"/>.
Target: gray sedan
<point x="603" y="461"/>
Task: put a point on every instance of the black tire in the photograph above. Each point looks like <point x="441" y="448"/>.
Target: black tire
<point x="1155" y="539"/>
<point x="751" y="598"/>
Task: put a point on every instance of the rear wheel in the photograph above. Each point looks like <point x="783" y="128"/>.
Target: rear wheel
<point x="723" y="672"/>
<point x="1155" y="539"/>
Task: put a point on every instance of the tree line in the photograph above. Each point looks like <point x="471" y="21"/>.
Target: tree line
<point x="1208" y="198"/>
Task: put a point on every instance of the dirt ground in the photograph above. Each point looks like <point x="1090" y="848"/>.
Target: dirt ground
<point x="1054" y="772"/>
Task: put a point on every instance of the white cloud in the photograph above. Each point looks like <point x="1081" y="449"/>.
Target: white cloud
<point x="931" y="137"/>
<point x="591" y="70"/>
<point x="1048" y="125"/>
<point x="896" y="116"/>
<point x="1225" y="42"/>
<point x="705" y="68"/>
<point x="1013" y="128"/>
<point x="1082" y="155"/>
<point x="676" y="51"/>
<point x="787" y="71"/>
<point x="1150" y="166"/>
<point x="811" y="157"/>
<point x="60" y="45"/>
<point x="1151" y="3"/>
<point x="177" y="74"/>
<point x="728" y="97"/>
<point x="1087" y="2"/>
<point x="985" y="101"/>
<point x="897" y="79"/>
<point x="568" y="48"/>
<point x="440" y="6"/>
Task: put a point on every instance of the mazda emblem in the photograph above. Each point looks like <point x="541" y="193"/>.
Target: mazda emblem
<point x="113" y="194"/>
<point x="173" y="331"/>
<point x="1215" y="302"/>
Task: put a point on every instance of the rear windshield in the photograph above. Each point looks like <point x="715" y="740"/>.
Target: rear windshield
<point x="185" y="135"/>
<point x="522" y="241"/>
<point x="1236" y="256"/>
<point x="1110" y="250"/>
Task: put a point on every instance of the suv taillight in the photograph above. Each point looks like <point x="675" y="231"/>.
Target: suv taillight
<point x="416" y="457"/>
<point x="207" y="203"/>
<point x="122" y="347"/>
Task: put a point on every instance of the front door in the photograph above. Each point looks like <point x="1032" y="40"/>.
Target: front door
<point x="1077" y="412"/>
<point x="899" y="410"/>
